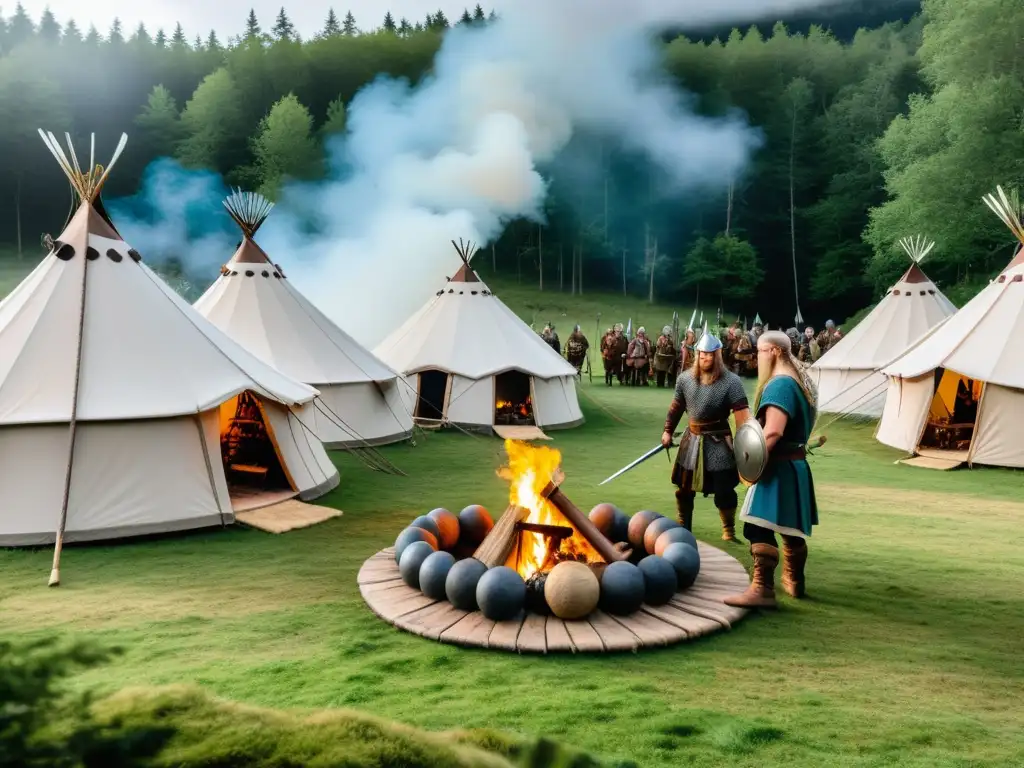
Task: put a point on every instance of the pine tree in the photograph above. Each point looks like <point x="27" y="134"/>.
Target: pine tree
<point x="116" y="36"/>
<point x="212" y="43"/>
<point x="336" y="118"/>
<point x="404" y="27"/>
<point x="212" y="121"/>
<point x="72" y="34"/>
<point x="141" y="35"/>
<point x="331" y="26"/>
<point x="252" y="27"/>
<point x="93" y="37"/>
<point x="348" y="27"/>
<point x="49" y="28"/>
<point x="160" y="123"/>
<point x="466" y="20"/>
<point x="197" y="44"/>
<point x="283" y="28"/>
<point x="418" y="28"/>
<point x="160" y="41"/>
<point x="440" y="20"/>
<point x="20" y="28"/>
<point x="429" y="23"/>
<point x="178" y="40"/>
<point x="492" y="16"/>
<point x="478" y="14"/>
<point x="389" y="23"/>
<point x="285" y="147"/>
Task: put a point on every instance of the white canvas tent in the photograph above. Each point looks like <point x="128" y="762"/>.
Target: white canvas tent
<point x="113" y="391"/>
<point x="849" y="376"/>
<point x="466" y="356"/>
<point x="253" y="301"/>
<point x="976" y="350"/>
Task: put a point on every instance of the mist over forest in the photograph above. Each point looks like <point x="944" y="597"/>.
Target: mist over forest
<point x="848" y="128"/>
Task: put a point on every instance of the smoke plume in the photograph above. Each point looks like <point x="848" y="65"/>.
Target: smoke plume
<point x="462" y="154"/>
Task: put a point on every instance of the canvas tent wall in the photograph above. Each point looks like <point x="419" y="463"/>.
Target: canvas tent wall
<point x="849" y="376"/>
<point x="109" y="377"/>
<point x="468" y="335"/>
<point x="980" y="343"/>
<point x="256" y="305"/>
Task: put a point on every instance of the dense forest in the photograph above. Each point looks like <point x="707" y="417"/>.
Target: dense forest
<point x="869" y="135"/>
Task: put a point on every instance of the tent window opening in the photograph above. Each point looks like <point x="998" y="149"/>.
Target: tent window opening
<point x="513" y="404"/>
<point x="247" y="450"/>
<point x="430" y="395"/>
<point x="953" y="412"/>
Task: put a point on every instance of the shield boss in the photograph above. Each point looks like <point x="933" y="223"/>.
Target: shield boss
<point x="751" y="451"/>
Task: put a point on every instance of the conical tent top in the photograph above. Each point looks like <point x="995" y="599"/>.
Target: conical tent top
<point x="917" y="248"/>
<point x="248" y="209"/>
<point x="1008" y="209"/>
<point x="466" y="251"/>
<point x="87" y="184"/>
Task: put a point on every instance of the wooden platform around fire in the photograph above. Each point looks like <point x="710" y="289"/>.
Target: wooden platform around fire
<point x="692" y="613"/>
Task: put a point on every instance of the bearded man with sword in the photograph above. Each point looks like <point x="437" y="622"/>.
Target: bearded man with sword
<point x="707" y="393"/>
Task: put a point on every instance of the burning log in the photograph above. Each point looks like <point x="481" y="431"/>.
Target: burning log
<point x="497" y="545"/>
<point x="582" y="524"/>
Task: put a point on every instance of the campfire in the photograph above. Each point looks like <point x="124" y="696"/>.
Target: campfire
<point x="512" y="413"/>
<point x="542" y="527"/>
<point x="544" y="556"/>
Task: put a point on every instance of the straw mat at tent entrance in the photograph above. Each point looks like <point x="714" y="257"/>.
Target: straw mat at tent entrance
<point x="286" y="516"/>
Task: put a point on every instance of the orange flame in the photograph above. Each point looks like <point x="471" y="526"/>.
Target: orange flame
<point x="530" y="469"/>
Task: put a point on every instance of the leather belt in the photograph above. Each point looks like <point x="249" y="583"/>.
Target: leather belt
<point x="788" y="454"/>
<point x="710" y="427"/>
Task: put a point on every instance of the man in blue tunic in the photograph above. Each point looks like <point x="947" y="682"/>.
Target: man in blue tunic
<point x="782" y="501"/>
<point x="707" y="393"/>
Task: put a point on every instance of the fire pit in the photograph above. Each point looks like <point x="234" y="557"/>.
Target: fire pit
<point x="547" y="577"/>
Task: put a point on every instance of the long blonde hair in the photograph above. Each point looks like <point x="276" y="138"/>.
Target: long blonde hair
<point x="801" y="371"/>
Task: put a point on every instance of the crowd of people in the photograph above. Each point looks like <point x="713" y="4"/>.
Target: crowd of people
<point x="638" y="360"/>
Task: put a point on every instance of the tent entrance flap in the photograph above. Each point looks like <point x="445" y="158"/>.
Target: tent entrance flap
<point x="246" y="447"/>
<point x="513" y="400"/>
<point x="952" y="413"/>
<point x="430" y="394"/>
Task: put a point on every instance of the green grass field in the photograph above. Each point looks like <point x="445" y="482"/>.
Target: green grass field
<point x="907" y="654"/>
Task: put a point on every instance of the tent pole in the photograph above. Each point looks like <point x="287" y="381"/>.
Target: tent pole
<point x="59" y="543"/>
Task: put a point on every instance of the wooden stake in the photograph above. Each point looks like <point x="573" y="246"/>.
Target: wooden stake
<point x="58" y="545"/>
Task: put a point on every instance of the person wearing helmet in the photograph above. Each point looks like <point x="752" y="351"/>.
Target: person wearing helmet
<point x="621" y="350"/>
<point x="707" y="393"/>
<point x="638" y="358"/>
<point x="664" y="356"/>
<point x="576" y="347"/>
<point x="829" y="337"/>
<point x="608" y="356"/>
<point x="551" y="338"/>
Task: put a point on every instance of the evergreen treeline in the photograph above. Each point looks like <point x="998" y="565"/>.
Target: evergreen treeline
<point x="896" y="132"/>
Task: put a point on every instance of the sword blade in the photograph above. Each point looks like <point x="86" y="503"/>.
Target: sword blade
<point x="653" y="452"/>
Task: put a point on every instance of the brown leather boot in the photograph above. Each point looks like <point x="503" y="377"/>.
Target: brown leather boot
<point x="728" y="517"/>
<point x="761" y="592"/>
<point x="684" y="510"/>
<point x="794" y="552"/>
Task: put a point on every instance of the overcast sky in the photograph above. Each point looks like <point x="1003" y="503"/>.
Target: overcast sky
<point x="228" y="16"/>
